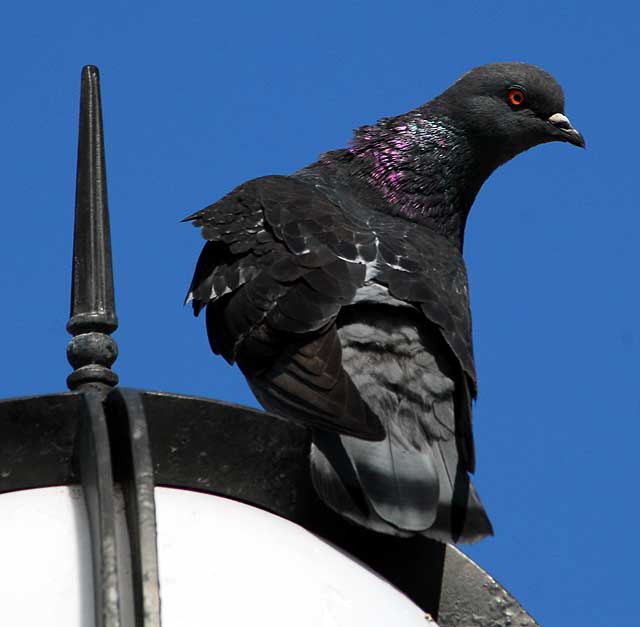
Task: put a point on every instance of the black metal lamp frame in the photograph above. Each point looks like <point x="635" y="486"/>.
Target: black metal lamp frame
<point x="110" y="439"/>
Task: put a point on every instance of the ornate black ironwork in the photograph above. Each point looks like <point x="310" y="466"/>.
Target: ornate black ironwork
<point x="93" y="314"/>
<point x="92" y="351"/>
<point x="116" y="440"/>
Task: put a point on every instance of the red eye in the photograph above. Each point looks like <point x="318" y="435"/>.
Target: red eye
<point x="516" y="97"/>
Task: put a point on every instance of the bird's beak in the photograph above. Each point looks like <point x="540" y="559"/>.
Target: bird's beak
<point x="564" y="131"/>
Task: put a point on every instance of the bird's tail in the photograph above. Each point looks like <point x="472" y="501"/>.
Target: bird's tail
<point x="428" y="493"/>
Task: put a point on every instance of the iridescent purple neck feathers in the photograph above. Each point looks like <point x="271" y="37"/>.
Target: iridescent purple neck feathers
<point x="423" y="166"/>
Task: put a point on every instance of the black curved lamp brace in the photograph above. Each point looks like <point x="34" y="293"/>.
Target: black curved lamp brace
<point x="133" y="471"/>
<point x="93" y="461"/>
<point x="120" y="443"/>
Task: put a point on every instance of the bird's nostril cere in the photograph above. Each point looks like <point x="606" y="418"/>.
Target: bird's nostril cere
<point x="560" y="121"/>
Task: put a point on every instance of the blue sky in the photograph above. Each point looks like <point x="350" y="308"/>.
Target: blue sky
<point x="200" y="96"/>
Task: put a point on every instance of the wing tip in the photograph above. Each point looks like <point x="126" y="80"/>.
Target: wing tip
<point x="196" y="303"/>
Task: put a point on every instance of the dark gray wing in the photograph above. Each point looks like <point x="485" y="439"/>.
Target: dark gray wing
<point x="273" y="291"/>
<point x="284" y="256"/>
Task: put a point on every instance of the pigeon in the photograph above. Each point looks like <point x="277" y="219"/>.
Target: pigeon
<point x="341" y="293"/>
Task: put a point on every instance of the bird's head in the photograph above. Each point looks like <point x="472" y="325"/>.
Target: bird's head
<point x="430" y="163"/>
<point x="508" y="108"/>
